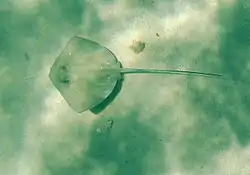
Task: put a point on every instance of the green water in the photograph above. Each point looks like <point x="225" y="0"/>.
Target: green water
<point x="162" y="125"/>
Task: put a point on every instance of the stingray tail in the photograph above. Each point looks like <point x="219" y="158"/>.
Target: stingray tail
<point x="172" y="72"/>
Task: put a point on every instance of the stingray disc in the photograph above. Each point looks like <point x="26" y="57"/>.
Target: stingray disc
<point x="85" y="73"/>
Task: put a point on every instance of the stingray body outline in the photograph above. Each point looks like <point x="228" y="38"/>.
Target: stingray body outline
<point x="93" y="76"/>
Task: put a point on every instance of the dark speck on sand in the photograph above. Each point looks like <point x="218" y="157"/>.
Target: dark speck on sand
<point x="27" y="56"/>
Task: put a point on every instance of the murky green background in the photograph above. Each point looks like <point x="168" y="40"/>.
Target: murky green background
<point x="163" y="125"/>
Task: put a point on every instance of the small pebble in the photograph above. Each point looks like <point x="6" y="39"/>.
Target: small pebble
<point x="138" y="46"/>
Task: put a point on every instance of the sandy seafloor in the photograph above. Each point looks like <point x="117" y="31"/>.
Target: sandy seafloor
<point x="163" y="125"/>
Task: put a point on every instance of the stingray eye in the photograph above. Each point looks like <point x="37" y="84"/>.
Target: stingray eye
<point x="64" y="67"/>
<point x="64" y="76"/>
<point x="64" y="79"/>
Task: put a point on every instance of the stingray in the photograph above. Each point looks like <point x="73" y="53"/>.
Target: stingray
<point x="89" y="76"/>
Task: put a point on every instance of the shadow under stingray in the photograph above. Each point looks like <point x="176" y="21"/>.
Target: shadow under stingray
<point x="117" y="89"/>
